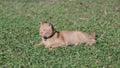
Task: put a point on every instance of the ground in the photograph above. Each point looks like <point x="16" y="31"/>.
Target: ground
<point x="19" y="31"/>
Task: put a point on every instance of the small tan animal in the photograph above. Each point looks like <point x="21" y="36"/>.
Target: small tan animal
<point x="52" y="38"/>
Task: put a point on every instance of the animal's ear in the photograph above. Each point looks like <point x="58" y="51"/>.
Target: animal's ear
<point x="41" y="23"/>
<point x="49" y="24"/>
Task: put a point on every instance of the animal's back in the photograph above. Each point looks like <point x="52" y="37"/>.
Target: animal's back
<point x="75" y="37"/>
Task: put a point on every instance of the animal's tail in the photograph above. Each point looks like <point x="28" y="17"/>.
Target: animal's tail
<point x="91" y="40"/>
<point x="92" y="35"/>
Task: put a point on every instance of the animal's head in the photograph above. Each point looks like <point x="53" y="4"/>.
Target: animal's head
<point x="46" y="29"/>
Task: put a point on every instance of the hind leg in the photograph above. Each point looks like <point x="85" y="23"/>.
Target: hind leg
<point x="87" y="43"/>
<point x="91" y="42"/>
<point x="49" y="47"/>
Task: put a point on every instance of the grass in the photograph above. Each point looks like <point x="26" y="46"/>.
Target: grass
<point x="19" y="26"/>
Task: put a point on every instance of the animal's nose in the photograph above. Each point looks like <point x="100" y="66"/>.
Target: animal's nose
<point x="41" y="32"/>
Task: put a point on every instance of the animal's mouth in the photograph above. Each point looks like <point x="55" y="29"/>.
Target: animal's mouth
<point x="46" y="36"/>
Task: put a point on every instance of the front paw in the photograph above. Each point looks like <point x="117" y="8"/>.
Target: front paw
<point x="39" y="44"/>
<point x="36" y="45"/>
<point x="47" y="46"/>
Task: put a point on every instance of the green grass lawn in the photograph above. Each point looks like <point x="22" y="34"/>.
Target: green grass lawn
<point x="19" y="31"/>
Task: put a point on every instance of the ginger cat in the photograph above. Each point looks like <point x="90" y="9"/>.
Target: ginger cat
<point x="52" y="38"/>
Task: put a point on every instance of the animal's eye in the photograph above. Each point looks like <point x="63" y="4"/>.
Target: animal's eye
<point x="43" y="30"/>
<point x="48" y="30"/>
